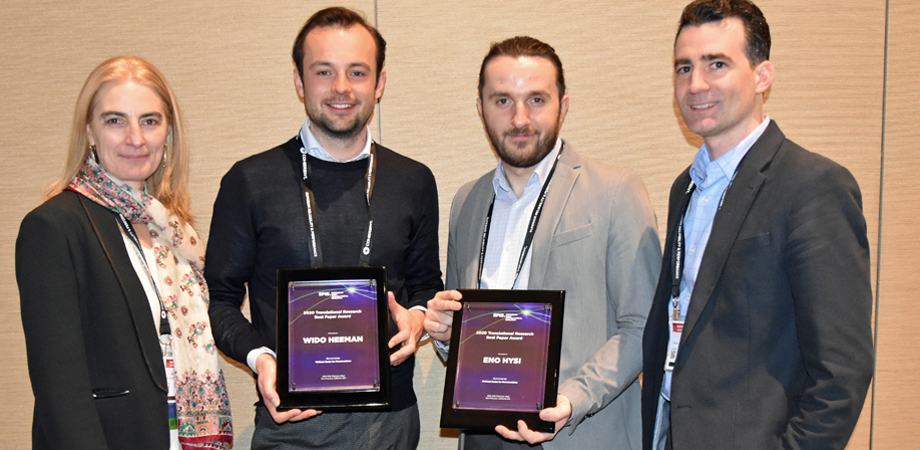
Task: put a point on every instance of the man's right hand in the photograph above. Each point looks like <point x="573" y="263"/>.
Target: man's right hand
<point x="267" y="368"/>
<point x="440" y="315"/>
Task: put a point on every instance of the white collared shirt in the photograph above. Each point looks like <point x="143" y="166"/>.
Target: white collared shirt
<point x="510" y="219"/>
<point x="317" y="151"/>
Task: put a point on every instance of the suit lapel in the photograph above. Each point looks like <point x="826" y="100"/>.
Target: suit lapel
<point x="563" y="182"/>
<point x="473" y="213"/>
<point x="677" y="212"/>
<point x="109" y="235"/>
<point x="738" y="201"/>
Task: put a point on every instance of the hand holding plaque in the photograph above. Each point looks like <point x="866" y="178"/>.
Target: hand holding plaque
<point x="332" y="339"/>
<point x="267" y="370"/>
<point x="504" y="359"/>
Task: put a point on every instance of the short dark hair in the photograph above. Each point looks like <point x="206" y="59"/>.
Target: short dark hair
<point x="756" y="30"/>
<point x="519" y="46"/>
<point x="340" y="18"/>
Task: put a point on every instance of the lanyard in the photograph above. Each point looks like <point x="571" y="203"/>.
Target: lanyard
<point x="677" y="248"/>
<point x="306" y="187"/>
<point x="165" y="334"/>
<point x="531" y="227"/>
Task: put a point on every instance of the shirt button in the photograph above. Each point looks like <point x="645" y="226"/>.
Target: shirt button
<point x="705" y="199"/>
<point x="692" y="249"/>
<point x="507" y="246"/>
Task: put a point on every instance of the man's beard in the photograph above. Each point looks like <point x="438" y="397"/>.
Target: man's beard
<point x="326" y="126"/>
<point x="543" y="146"/>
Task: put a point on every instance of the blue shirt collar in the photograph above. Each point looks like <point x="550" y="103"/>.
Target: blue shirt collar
<point x="705" y="172"/>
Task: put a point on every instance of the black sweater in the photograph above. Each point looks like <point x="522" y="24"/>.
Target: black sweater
<point x="259" y="226"/>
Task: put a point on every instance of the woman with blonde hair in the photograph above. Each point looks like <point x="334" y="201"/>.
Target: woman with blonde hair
<point x="113" y="300"/>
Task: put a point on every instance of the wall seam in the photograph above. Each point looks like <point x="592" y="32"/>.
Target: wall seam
<point x="881" y="191"/>
<point x="379" y="107"/>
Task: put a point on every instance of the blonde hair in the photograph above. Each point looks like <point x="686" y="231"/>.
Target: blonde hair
<point x="169" y="183"/>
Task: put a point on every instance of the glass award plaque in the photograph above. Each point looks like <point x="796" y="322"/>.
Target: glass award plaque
<point x="332" y="339"/>
<point x="503" y="363"/>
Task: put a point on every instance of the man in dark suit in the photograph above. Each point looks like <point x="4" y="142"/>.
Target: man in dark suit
<point x="759" y="335"/>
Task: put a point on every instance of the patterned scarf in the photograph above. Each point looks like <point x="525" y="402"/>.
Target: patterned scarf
<point x="202" y="404"/>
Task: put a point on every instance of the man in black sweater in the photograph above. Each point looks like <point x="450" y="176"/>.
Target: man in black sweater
<point x="367" y="204"/>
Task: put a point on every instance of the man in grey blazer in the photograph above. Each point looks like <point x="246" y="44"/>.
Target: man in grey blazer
<point x="596" y="238"/>
<point x="759" y="336"/>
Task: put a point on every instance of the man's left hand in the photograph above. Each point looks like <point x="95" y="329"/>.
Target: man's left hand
<point x="409" y="322"/>
<point x="559" y="414"/>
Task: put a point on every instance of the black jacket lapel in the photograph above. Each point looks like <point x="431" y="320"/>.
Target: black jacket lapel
<point x="106" y="228"/>
<point x="738" y="201"/>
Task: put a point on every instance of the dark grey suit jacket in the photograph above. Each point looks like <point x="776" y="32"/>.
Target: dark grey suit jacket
<point x="94" y="360"/>
<point x="598" y="241"/>
<point x="776" y="351"/>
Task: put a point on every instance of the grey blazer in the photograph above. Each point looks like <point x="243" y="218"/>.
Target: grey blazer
<point x="597" y="240"/>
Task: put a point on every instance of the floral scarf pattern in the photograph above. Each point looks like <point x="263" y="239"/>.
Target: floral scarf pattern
<point x="202" y="403"/>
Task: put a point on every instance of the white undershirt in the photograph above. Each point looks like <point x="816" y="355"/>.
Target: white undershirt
<point x="152" y="300"/>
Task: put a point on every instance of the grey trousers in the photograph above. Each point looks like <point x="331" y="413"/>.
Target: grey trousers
<point x="661" y="440"/>
<point x="492" y="441"/>
<point x="339" y="431"/>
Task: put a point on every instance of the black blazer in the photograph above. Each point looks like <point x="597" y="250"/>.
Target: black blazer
<point x="776" y="350"/>
<point x="94" y="361"/>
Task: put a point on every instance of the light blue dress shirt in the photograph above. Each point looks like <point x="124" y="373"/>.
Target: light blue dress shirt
<point x="711" y="178"/>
